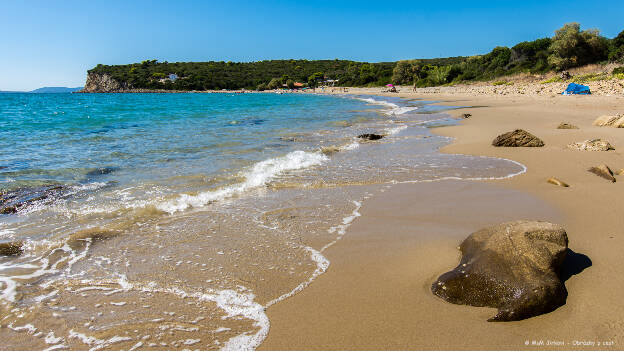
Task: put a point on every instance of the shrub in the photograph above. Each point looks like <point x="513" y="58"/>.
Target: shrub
<point x="618" y="70"/>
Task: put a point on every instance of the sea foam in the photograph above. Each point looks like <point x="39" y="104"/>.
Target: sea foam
<point x="260" y="174"/>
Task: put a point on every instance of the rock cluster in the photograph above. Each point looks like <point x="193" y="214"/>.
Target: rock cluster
<point x="602" y="87"/>
<point x="518" y="138"/>
<point x="592" y="145"/>
<point x="513" y="267"/>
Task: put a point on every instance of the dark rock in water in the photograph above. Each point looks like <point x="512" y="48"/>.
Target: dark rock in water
<point x="101" y="171"/>
<point x="517" y="138"/>
<point x="370" y="136"/>
<point x="466" y="115"/>
<point x="11" y="249"/>
<point x="13" y="200"/>
<point x="603" y="171"/>
<point x="513" y="266"/>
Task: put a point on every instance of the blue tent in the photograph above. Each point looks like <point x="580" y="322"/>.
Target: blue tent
<point x="574" y="88"/>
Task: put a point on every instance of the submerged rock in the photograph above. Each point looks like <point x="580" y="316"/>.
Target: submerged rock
<point x="13" y="200"/>
<point x="603" y="171"/>
<point x="513" y="267"/>
<point x="11" y="249"/>
<point x="518" y="138"/>
<point x="370" y="136"/>
<point x="592" y="145"/>
<point x="329" y="150"/>
<point x="558" y="182"/>
<point x="567" y="126"/>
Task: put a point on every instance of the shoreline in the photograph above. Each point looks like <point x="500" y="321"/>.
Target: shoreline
<point x="318" y="317"/>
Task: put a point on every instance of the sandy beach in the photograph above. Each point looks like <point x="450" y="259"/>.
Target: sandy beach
<point x="376" y="294"/>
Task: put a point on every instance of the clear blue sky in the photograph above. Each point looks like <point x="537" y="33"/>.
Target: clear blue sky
<point x="53" y="43"/>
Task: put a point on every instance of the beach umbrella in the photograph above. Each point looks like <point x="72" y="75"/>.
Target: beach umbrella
<point x="389" y="85"/>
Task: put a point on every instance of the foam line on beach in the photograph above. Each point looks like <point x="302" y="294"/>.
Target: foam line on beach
<point x="322" y="263"/>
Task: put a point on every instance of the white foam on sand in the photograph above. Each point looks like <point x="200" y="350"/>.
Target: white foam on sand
<point x="260" y="174"/>
<point x="322" y="263"/>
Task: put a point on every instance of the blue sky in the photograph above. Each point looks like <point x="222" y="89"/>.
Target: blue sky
<point x="54" y="43"/>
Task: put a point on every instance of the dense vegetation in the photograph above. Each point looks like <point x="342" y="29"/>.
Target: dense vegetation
<point x="250" y="75"/>
<point x="569" y="47"/>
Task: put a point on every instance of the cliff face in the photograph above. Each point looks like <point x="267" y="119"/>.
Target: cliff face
<point x="103" y="83"/>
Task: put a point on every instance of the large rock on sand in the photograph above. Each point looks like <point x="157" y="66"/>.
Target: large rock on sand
<point x="516" y="138"/>
<point x="592" y="145"/>
<point x="603" y="171"/>
<point x="513" y="267"/>
<point x="616" y="121"/>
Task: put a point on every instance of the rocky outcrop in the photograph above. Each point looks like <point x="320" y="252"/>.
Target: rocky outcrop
<point x="11" y="249"/>
<point x="616" y="121"/>
<point x="567" y="126"/>
<point x="518" y="138"/>
<point x="592" y="145"/>
<point x="103" y="83"/>
<point x="603" y="171"/>
<point x="558" y="182"/>
<point x="514" y="267"/>
<point x="370" y="136"/>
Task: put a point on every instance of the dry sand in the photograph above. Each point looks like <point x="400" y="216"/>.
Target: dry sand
<point x="376" y="295"/>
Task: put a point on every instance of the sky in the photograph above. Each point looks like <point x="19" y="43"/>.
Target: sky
<point x="54" y="43"/>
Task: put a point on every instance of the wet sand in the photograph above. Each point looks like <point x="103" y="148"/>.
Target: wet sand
<point x="376" y="295"/>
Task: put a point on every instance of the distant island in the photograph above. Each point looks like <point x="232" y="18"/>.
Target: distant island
<point x="570" y="47"/>
<point x="48" y="90"/>
<point x="55" y="90"/>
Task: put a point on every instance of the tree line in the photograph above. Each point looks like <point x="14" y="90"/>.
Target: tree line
<point x="569" y="47"/>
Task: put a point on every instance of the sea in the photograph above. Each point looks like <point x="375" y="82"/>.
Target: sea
<point x="174" y="221"/>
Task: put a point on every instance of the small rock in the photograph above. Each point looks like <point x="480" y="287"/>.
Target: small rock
<point x="11" y="249"/>
<point x="513" y="267"/>
<point x="616" y="121"/>
<point x="592" y="145"/>
<point x="619" y="172"/>
<point x="370" y="136"/>
<point x="558" y="182"/>
<point x="466" y="115"/>
<point x="567" y="126"/>
<point x="603" y="171"/>
<point x="517" y="138"/>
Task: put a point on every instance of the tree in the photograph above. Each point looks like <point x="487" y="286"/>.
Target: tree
<point x="314" y="78"/>
<point x="571" y="47"/>
<point x="275" y="83"/>
<point x="402" y="73"/>
<point x="290" y="83"/>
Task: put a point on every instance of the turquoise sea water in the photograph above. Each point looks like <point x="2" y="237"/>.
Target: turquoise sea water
<point x="175" y="220"/>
